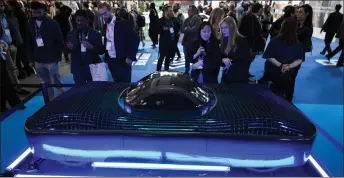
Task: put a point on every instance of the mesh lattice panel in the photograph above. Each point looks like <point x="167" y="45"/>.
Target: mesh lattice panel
<point x="240" y="110"/>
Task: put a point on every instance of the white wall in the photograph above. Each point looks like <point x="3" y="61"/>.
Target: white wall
<point x="327" y="10"/>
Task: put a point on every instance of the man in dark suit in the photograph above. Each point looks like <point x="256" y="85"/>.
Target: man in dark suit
<point x="331" y="27"/>
<point x="86" y="46"/>
<point x="121" y="42"/>
<point x="250" y="27"/>
<point x="190" y="29"/>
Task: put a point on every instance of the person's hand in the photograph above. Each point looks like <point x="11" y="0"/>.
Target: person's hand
<point x="227" y="62"/>
<point x="87" y="45"/>
<point x="198" y="65"/>
<point x="128" y="61"/>
<point x="200" y="51"/>
<point x="285" y="68"/>
<point x="69" y="45"/>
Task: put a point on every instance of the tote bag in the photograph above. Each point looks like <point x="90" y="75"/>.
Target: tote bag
<point x="99" y="72"/>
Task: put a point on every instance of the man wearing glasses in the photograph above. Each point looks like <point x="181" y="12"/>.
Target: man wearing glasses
<point x="121" y="42"/>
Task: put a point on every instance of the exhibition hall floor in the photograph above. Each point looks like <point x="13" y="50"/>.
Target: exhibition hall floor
<point x="318" y="93"/>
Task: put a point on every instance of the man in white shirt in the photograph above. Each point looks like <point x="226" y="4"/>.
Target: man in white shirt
<point x="121" y="42"/>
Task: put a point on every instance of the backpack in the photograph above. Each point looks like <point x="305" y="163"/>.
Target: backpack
<point x="140" y="21"/>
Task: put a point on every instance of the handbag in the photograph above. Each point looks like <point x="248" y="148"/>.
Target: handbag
<point x="99" y="71"/>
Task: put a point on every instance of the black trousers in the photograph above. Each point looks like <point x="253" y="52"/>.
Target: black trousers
<point x="177" y="49"/>
<point x="284" y="86"/>
<point x="82" y="75"/>
<point x="328" y="39"/>
<point x="21" y="58"/>
<point x="153" y="35"/>
<point x="335" y="51"/>
<point x="120" y="70"/>
<point x="162" y="59"/>
<point x="8" y="91"/>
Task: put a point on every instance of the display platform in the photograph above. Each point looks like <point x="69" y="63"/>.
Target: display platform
<point x="237" y="125"/>
<point x="167" y="121"/>
<point x="66" y="139"/>
<point x="28" y="167"/>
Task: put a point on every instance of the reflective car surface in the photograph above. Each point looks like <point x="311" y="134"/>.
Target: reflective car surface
<point x="167" y="94"/>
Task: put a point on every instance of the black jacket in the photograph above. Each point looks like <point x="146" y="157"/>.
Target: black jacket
<point x="167" y="46"/>
<point x="332" y="23"/>
<point x="241" y="58"/>
<point x="126" y="40"/>
<point x="251" y="28"/>
<point x="211" y="61"/>
<point x="80" y="59"/>
<point x="53" y="44"/>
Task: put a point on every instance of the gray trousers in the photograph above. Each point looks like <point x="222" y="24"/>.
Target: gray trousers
<point x="50" y="74"/>
<point x="12" y="69"/>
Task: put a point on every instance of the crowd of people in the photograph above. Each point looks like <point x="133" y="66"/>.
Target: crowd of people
<point x="35" y="35"/>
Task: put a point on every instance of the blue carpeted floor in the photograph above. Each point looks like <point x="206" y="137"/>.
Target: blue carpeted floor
<point x="319" y="94"/>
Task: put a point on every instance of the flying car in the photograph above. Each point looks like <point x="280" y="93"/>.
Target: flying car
<point x="169" y="116"/>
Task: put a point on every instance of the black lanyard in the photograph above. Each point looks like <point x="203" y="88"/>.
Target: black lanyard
<point x="83" y="36"/>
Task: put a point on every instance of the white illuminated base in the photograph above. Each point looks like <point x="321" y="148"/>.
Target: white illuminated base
<point x="159" y="166"/>
<point x="23" y="175"/>
<point x="325" y="62"/>
<point x="16" y="162"/>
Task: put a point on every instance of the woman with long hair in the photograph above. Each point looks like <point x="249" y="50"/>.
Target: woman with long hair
<point x="236" y="53"/>
<point x="215" y="18"/>
<point x="284" y="55"/>
<point x="206" y="55"/>
<point x="305" y="26"/>
<point x="304" y="18"/>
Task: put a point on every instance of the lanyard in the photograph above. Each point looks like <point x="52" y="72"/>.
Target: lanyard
<point x="83" y="36"/>
<point x="38" y="31"/>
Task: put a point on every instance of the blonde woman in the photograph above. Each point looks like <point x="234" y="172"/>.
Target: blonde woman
<point x="236" y="53"/>
<point x="215" y="18"/>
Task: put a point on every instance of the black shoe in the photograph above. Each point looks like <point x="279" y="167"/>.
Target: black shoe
<point x="328" y="58"/>
<point x="322" y="52"/>
<point x="250" y="75"/>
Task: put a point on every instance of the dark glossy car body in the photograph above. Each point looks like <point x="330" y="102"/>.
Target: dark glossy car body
<point x="245" y="125"/>
<point x="167" y="95"/>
